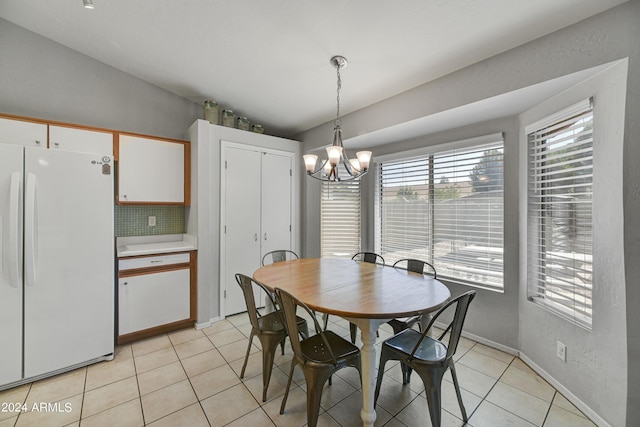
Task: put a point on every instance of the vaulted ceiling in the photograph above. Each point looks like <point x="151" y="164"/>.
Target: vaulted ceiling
<point x="269" y="60"/>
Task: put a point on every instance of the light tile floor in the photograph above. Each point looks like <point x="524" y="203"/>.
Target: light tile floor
<point x="191" y="378"/>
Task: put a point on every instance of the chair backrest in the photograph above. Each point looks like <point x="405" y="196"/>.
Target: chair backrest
<point x="370" y="257"/>
<point x="455" y="326"/>
<point x="417" y="266"/>
<point x="279" y="255"/>
<point x="289" y="303"/>
<point x="246" y="284"/>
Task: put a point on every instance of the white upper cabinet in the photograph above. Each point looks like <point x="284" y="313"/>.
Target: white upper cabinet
<point x="80" y="140"/>
<point x="25" y="133"/>
<point x="151" y="171"/>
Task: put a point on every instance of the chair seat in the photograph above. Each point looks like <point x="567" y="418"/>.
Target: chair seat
<point x="430" y="350"/>
<point x="402" y="323"/>
<point x="315" y="350"/>
<point x="271" y="322"/>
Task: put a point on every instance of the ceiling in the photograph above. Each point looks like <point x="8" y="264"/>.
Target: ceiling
<point x="269" y="60"/>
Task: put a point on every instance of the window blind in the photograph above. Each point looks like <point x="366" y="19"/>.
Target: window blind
<point x="560" y="201"/>
<point x="340" y="219"/>
<point x="445" y="208"/>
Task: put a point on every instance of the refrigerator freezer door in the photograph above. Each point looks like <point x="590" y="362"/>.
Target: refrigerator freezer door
<point x="69" y="302"/>
<point x="11" y="159"/>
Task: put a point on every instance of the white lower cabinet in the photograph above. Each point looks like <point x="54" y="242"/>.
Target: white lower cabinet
<point x="155" y="295"/>
<point x="152" y="300"/>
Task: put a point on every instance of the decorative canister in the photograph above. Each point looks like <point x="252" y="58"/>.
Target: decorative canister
<point x="243" y="123"/>
<point x="228" y="118"/>
<point x="257" y="128"/>
<point x="211" y="112"/>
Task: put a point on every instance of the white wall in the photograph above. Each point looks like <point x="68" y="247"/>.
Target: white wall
<point x="597" y="359"/>
<point x="610" y="36"/>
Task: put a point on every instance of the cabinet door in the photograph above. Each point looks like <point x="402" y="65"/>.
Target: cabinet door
<point x="153" y="299"/>
<point x="150" y="170"/>
<point x="241" y="223"/>
<point x="19" y="132"/>
<point x="276" y="202"/>
<point x="81" y="140"/>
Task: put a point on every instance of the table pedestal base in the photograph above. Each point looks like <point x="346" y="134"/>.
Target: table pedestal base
<point x="368" y="329"/>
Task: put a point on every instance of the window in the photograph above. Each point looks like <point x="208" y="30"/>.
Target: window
<point x="445" y="207"/>
<point x="340" y="219"/>
<point x="560" y="175"/>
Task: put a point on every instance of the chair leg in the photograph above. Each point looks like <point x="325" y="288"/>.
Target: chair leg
<point x="246" y="357"/>
<point x="315" y="383"/>
<point x="458" y="394"/>
<point x="325" y="321"/>
<point x="406" y="373"/>
<point x="432" y="386"/>
<point x="383" y="361"/>
<point x="286" y="393"/>
<point x="269" y="346"/>
<point x="353" y="329"/>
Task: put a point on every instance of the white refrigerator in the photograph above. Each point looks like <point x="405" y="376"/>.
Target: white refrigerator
<point x="56" y="261"/>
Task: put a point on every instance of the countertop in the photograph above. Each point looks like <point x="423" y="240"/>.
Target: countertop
<point x="147" y="245"/>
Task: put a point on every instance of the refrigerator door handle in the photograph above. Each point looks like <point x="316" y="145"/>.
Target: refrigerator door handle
<point x="31" y="231"/>
<point x="14" y="231"/>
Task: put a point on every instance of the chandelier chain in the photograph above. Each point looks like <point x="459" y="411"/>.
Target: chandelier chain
<point x="339" y="86"/>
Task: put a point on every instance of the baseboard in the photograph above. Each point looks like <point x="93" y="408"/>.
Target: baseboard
<point x="590" y="413"/>
<point x="207" y="323"/>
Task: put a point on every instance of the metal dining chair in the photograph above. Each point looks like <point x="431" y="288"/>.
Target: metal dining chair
<point x="429" y="357"/>
<point x="416" y="266"/>
<point x="400" y="324"/>
<point x="319" y="356"/>
<point x="370" y="257"/>
<point x="269" y="328"/>
<point x="278" y="256"/>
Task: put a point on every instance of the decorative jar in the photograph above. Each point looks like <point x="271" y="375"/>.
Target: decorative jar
<point x="228" y="118"/>
<point x="211" y="112"/>
<point x="243" y="123"/>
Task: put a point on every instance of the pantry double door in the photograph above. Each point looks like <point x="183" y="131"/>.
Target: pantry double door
<point x="256" y="214"/>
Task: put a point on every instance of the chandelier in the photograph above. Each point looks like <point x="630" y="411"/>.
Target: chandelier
<point x="336" y="155"/>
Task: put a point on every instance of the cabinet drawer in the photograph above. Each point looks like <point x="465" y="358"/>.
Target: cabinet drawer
<point x="152" y="261"/>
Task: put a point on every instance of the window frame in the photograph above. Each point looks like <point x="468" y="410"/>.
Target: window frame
<point x="534" y="270"/>
<point x="472" y="144"/>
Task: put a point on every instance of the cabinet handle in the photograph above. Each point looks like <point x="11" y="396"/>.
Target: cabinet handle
<point x="255" y="237"/>
<point x="156" y="261"/>
<point x="125" y="283"/>
<point x="57" y="144"/>
<point x="37" y="142"/>
<point x="265" y="236"/>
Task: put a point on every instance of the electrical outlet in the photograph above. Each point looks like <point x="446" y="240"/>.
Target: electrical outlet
<point x="152" y="221"/>
<point x="561" y="351"/>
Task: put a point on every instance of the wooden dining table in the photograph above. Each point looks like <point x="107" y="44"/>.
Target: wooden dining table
<point x="366" y="294"/>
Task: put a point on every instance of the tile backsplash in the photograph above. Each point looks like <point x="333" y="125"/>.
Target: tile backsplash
<point x="134" y="220"/>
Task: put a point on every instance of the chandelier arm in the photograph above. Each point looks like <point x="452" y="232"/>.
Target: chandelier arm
<point x="347" y="164"/>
